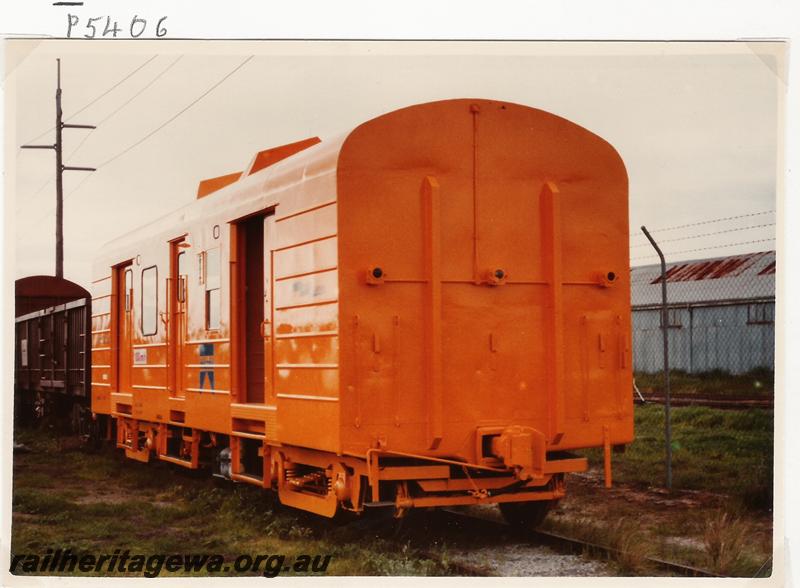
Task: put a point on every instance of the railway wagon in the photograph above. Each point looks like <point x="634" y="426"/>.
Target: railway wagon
<point x="430" y="310"/>
<point x="52" y="362"/>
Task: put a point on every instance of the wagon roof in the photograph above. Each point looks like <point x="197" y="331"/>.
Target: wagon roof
<point x="736" y="277"/>
<point x="256" y="187"/>
<point x="251" y="188"/>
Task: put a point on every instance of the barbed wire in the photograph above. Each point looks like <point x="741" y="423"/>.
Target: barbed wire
<point x="706" y="235"/>
<point x="669" y="253"/>
<point x="705" y="222"/>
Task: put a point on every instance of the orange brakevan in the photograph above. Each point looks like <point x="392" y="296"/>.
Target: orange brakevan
<point x="432" y="309"/>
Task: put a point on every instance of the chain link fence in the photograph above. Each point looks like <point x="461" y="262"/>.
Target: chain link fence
<point x="720" y="321"/>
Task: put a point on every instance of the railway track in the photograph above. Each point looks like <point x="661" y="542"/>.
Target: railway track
<point x="470" y="546"/>
<point x="728" y="403"/>
<point x="557" y="542"/>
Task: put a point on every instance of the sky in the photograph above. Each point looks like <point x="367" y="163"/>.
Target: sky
<point x="698" y="125"/>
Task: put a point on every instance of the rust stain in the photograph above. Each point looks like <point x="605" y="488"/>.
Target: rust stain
<point x="770" y="269"/>
<point x="714" y="269"/>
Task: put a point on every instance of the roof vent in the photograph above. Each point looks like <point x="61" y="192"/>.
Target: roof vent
<point x="272" y="156"/>
<point x="263" y="159"/>
<point x="210" y="185"/>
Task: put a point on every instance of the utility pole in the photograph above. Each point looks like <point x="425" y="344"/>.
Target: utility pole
<point x="60" y="169"/>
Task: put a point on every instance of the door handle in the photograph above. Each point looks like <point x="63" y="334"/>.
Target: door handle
<point x="264" y="325"/>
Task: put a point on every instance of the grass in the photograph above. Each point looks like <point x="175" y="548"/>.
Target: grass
<point x="758" y="383"/>
<point x="625" y="537"/>
<point x="725" y="537"/>
<point x="715" y="540"/>
<point x="718" y="515"/>
<point x="723" y="451"/>
<point x="96" y="503"/>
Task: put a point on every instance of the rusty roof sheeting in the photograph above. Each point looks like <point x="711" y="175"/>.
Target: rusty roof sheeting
<point x="736" y="277"/>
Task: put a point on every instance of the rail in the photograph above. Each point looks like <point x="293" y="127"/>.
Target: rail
<point x="578" y="546"/>
<point x="726" y="403"/>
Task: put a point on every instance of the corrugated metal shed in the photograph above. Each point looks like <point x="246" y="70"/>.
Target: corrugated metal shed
<point x="721" y="314"/>
<point x="737" y="277"/>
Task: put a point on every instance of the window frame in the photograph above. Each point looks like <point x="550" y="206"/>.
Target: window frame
<point x="209" y="288"/>
<point x="752" y="314"/>
<point x="181" y="284"/>
<point x="141" y="301"/>
<point x="127" y="281"/>
<point x="208" y="310"/>
<point x="671" y="314"/>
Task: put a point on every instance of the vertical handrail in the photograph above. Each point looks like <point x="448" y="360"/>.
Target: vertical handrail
<point x="476" y="270"/>
<point x="65" y="351"/>
<point x="269" y="245"/>
<point x="52" y="349"/>
<point x="234" y="317"/>
<point x="665" y="331"/>
<point x="168" y="359"/>
<point x="550" y="215"/>
<point x="433" y="320"/>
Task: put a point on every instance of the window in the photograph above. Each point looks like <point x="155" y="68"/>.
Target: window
<point x="211" y="266"/>
<point x="673" y="318"/>
<point x="128" y="288"/>
<point x="182" y="279"/>
<point x="150" y="300"/>
<point x="212" y="309"/>
<point x="200" y="262"/>
<point x="761" y="314"/>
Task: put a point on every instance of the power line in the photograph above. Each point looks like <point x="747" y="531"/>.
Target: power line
<point x="89" y="134"/>
<point x="154" y="131"/>
<point x="707" y="234"/>
<point x="705" y="222"/>
<point x="77" y="112"/>
<point x="668" y="253"/>
<point x="66" y="197"/>
<point x="37" y="137"/>
<point x="42" y="187"/>
<point x="171" y="119"/>
<point x="75" y="189"/>
<point x="124" y="104"/>
<point x="139" y="93"/>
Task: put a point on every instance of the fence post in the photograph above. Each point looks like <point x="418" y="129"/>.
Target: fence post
<point x="665" y="331"/>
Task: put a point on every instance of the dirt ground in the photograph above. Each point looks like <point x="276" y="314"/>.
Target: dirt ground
<point x="96" y="502"/>
<point x="670" y="525"/>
